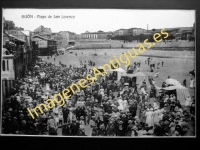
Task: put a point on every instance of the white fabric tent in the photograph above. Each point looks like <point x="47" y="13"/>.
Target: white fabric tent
<point x="181" y="91"/>
<point x="140" y="77"/>
<point x="172" y="81"/>
<point x="119" y="70"/>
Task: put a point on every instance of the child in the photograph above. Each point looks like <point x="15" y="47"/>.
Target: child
<point x="56" y="118"/>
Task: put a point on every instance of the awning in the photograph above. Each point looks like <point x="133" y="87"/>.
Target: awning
<point x="21" y="40"/>
<point x="16" y="38"/>
<point x="119" y="70"/>
<point x="169" y="88"/>
<point x="13" y="36"/>
<point x="172" y="81"/>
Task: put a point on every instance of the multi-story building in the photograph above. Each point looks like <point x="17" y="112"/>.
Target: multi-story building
<point x="126" y="32"/>
<point x="14" y="63"/>
<point x="138" y="31"/>
<point x="95" y="35"/>
<point x="9" y="25"/>
<point x="43" y="46"/>
<point x="43" y="31"/>
<point x="64" y="38"/>
<point x="17" y="55"/>
<point x="26" y="36"/>
<point x="184" y="33"/>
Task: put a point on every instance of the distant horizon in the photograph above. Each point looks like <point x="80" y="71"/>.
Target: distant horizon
<point x="101" y="30"/>
<point x="93" y="20"/>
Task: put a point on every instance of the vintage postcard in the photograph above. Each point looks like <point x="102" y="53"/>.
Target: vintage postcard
<point x="98" y="73"/>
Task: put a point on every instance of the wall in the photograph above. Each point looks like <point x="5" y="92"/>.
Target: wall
<point x="114" y="44"/>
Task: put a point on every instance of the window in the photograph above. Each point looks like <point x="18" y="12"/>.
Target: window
<point x="7" y="65"/>
<point x="4" y="65"/>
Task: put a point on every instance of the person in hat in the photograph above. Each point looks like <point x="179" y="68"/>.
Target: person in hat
<point x="134" y="131"/>
<point x="98" y="122"/>
<point x="65" y="112"/>
<point x="120" y="129"/>
<point x="124" y="119"/>
<point x="133" y="108"/>
<point x="56" y="118"/>
<point x="111" y="127"/>
<point x="106" y="120"/>
<point x="60" y="116"/>
<point x="82" y="122"/>
<point x="129" y="128"/>
<point x="102" y="131"/>
<point x="188" y="101"/>
<point x="51" y="122"/>
<point x="78" y="112"/>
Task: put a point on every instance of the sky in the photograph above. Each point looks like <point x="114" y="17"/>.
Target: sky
<point x="93" y="20"/>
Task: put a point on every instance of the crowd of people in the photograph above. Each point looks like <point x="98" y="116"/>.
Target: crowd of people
<point x="107" y="107"/>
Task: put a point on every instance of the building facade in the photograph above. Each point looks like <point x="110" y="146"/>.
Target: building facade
<point x="127" y="32"/>
<point x="138" y="31"/>
<point x="64" y="38"/>
<point x="43" y="46"/>
<point x="7" y="75"/>
<point x="43" y="31"/>
<point x="124" y="32"/>
<point x="14" y="62"/>
<point x="95" y="35"/>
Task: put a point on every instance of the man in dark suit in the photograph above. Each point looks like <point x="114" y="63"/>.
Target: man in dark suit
<point x="67" y="130"/>
<point x="98" y="122"/>
<point x="65" y="114"/>
<point x="102" y="131"/>
<point x="74" y="128"/>
<point x="78" y="112"/>
<point x="105" y="120"/>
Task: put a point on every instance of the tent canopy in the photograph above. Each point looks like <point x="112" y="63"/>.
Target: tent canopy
<point x="169" y="88"/>
<point x="172" y="81"/>
<point x="100" y="67"/>
<point x="140" y="77"/>
<point x="119" y="70"/>
<point x="181" y="91"/>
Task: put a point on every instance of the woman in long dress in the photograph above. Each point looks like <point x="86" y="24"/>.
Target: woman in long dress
<point x="70" y="114"/>
<point x="125" y="104"/>
<point x="149" y="118"/>
<point x="120" y="102"/>
<point x="188" y="101"/>
<point x="192" y="83"/>
<point x="156" y="118"/>
<point x="143" y="90"/>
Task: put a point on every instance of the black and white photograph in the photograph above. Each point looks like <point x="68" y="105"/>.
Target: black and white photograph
<point x="98" y="73"/>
